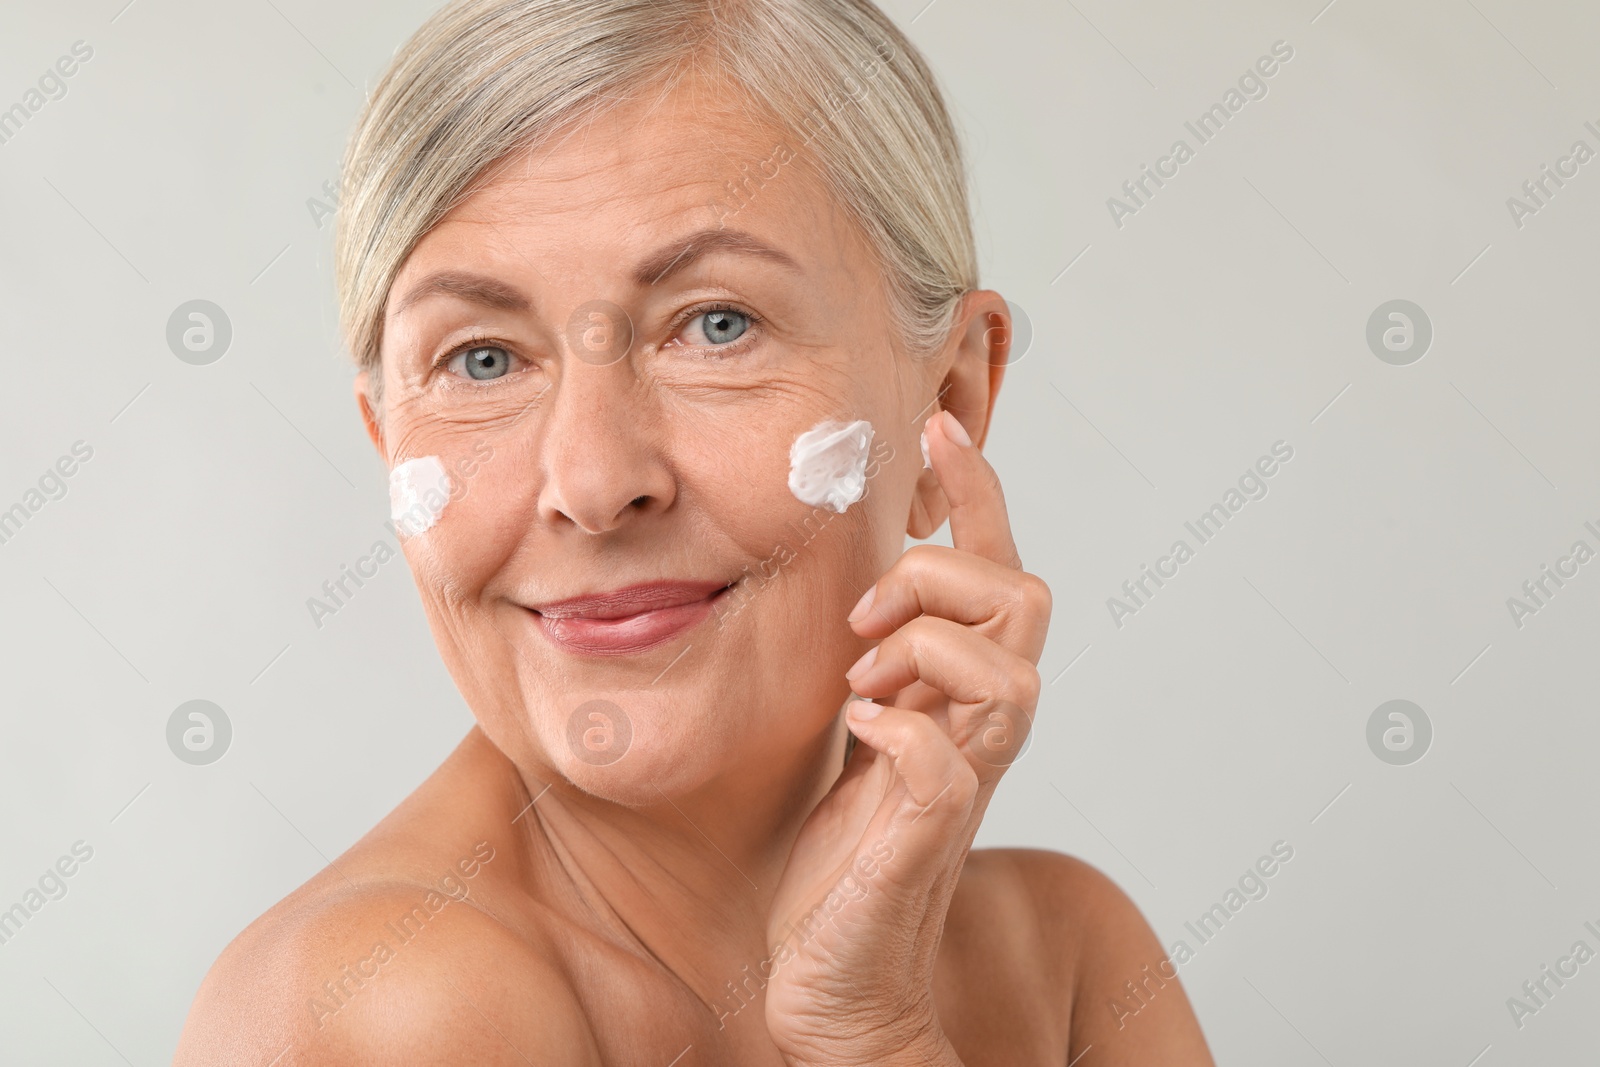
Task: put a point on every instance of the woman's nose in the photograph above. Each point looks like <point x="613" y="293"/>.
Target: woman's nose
<point x="601" y="463"/>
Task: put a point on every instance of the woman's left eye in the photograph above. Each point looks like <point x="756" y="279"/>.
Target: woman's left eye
<point x="719" y="326"/>
<point x="480" y="362"/>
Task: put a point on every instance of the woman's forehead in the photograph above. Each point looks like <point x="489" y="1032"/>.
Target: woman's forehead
<point x="683" y="142"/>
<point x="647" y="205"/>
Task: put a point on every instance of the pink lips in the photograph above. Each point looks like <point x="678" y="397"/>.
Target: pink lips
<point x="628" y="620"/>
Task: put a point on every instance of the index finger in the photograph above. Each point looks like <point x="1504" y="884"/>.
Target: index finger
<point x="978" y="520"/>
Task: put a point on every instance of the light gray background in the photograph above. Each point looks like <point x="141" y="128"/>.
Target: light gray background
<point x="1168" y="355"/>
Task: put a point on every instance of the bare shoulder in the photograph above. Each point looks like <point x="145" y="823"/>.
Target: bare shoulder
<point x="404" y="950"/>
<point x="1077" y="930"/>
<point x="383" y="973"/>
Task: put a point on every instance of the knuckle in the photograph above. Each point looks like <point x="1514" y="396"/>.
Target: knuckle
<point x="917" y="733"/>
<point x="1036" y="598"/>
<point x="964" y="784"/>
<point x="920" y="634"/>
<point x="1028" y="685"/>
<point x="897" y="648"/>
<point x="919" y="560"/>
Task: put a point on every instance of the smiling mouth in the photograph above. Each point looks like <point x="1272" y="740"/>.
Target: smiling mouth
<point x="630" y="620"/>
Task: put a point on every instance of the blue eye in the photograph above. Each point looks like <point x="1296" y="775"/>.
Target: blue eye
<point x="480" y="363"/>
<point x="723" y="325"/>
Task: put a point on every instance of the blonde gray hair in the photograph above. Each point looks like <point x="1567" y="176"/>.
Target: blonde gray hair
<point x="482" y="79"/>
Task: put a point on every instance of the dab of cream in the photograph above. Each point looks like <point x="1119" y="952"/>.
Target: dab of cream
<point x="828" y="464"/>
<point x="418" y="491"/>
<point x="927" y="462"/>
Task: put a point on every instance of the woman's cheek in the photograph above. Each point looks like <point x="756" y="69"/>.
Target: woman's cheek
<point x="828" y="464"/>
<point x="419" y="491"/>
<point x="442" y="412"/>
<point x="450" y="512"/>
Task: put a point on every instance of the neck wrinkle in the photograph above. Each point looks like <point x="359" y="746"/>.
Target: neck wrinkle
<point x="617" y="869"/>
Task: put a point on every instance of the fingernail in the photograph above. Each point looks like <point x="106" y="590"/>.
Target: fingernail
<point x="863" y="605"/>
<point x="956" y="431"/>
<point x="862" y="665"/>
<point x="864" y="709"/>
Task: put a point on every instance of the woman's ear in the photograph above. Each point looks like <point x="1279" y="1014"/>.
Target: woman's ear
<point x="974" y="362"/>
<point x="369" y="414"/>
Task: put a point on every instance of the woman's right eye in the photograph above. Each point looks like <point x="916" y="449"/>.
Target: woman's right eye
<point x="480" y="363"/>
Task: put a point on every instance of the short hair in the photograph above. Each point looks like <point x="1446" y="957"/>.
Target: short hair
<point x="483" y="79"/>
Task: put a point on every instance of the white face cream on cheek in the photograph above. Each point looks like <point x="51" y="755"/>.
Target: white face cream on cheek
<point x="419" y="489"/>
<point x="828" y="464"/>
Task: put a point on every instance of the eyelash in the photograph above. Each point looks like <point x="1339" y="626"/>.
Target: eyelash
<point x="476" y="341"/>
<point x="732" y="348"/>
<point x="688" y="315"/>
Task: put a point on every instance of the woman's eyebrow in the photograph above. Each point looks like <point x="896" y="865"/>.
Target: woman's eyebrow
<point x="493" y="293"/>
<point x="476" y="288"/>
<point x="681" y="253"/>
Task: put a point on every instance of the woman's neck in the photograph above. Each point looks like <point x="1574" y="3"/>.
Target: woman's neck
<point x="687" y="881"/>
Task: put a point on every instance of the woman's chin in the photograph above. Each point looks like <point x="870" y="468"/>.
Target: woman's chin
<point x="640" y="779"/>
<point x="629" y="751"/>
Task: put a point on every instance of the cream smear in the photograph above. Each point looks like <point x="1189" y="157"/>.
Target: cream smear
<point x="419" y="489"/>
<point x="828" y="464"/>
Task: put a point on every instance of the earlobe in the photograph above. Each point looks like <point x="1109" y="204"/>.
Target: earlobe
<point x="369" y="416"/>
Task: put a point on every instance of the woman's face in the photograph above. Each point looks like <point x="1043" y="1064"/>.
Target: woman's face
<point x="583" y="461"/>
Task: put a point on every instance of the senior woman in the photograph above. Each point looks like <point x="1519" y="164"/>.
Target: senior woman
<point x="668" y="329"/>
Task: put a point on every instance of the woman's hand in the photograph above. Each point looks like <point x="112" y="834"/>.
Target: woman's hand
<point x="861" y="906"/>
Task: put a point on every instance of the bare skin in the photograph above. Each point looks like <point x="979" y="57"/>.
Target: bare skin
<point x="533" y="904"/>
